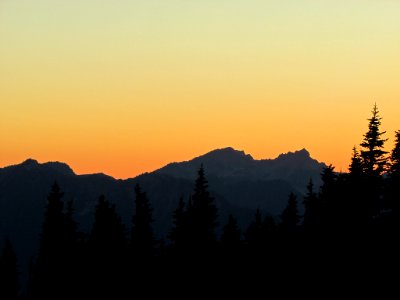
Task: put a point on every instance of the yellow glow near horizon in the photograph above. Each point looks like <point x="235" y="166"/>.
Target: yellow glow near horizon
<point x="124" y="87"/>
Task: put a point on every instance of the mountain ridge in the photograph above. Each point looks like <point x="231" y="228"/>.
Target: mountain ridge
<point x="239" y="183"/>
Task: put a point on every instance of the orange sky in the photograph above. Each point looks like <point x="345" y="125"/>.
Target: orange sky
<point x="124" y="87"/>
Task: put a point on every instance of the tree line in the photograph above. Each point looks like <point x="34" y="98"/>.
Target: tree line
<point x="349" y="213"/>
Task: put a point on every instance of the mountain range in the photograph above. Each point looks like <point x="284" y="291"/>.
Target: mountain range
<point x="240" y="184"/>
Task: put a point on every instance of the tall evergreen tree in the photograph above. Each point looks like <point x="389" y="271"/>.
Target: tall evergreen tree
<point x="203" y="214"/>
<point x="142" y="230"/>
<point x="230" y="238"/>
<point x="178" y="235"/>
<point x="328" y="197"/>
<point x="290" y="216"/>
<point x="356" y="165"/>
<point x="9" y="283"/>
<point x="108" y="232"/>
<point x="373" y="156"/>
<point x="255" y="234"/>
<point x="312" y="208"/>
<point x="394" y="170"/>
<point x="394" y="174"/>
<point x="56" y="255"/>
<point x="107" y="250"/>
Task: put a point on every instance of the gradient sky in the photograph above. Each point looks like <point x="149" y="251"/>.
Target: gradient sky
<point x="126" y="86"/>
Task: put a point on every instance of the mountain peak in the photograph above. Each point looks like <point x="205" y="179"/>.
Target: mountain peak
<point x="51" y="167"/>
<point x="300" y="154"/>
<point x="30" y="162"/>
<point x="303" y="152"/>
<point x="227" y="153"/>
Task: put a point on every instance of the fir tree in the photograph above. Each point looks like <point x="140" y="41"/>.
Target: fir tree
<point x="312" y="208"/>
<point x="142" y="231"/>
<point x="290" y="216"/>
<point x="56" y="254"/>
<point x="203" y="214"/>
<point x="394" y="175"/>
<point x="255" y="235"/>
<point x="394" y="170"/>
<point x="373" y="156"/>
<point x="230" y="238"/>
<point x="356" y="165"/>
<point x="178" y="234"/>
<point x="328" y="197"/>
<point x="108" y="233"/>
<point x="107" y="250"/>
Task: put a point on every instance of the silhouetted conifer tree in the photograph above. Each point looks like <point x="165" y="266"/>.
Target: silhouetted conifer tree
<point x="394" y="174"/>
<point x="255" y="234"/>
<point x="372" y="153"/>
<point x="108" y="232"/>
<point x="230" y="238"/>
<point x="203" y="215"/>
<point x="290" y="216"/>
<point x="178" y="235"/>
<point x="142" y="231"/>
<point x="56" y="254"/>
<point x="374" y="163"/>
<point x="356" y="165"/>
<point x="312" y="208"/>
<point x="328" y="196"/>
<point x="353" y="211"/>
<point x="9" y="284"/>
<point x="107" y="251"/>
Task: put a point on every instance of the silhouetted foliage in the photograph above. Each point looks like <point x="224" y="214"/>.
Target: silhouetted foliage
<point x="394" y="175"/>
<point x="356" y="165"/>
<point x="290" y="216"/>
<point x="107" y="250"/>
<point x="312" y="208"/>
<point x="57" y="248"/>
<point x="9" y="282"/>
<point x="230" y="238"/>
<point x="108" y="233"/>
<point x="142" y="231"/>
<point x="179" y="233"/>
<point x="372" y="153"/>
<point x="255" y="234"/>
<point x="328" y="197"/>
<point x="203" y="215"/>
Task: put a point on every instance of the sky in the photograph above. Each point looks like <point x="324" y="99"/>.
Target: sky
<point x="126" y="86"/>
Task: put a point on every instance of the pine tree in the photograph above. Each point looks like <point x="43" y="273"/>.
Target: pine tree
<point x="56" y="256"/>
<point x="356" y="165"/>
<point x="203" y="214"/>
<point x="52" y="239"/>
<point x="312" y="208"/>
<point x="142" y="231"/>
<point x="230" y="238"/>
<point x="9" y="284"/>
<point x="255" y="234"/>
<point x="373" y="156"/>
<point x="108" y="232"/>
<point x="290" y="216"/>
<point x="394" y="174"/>
<point x="107" y="250"/>
<point x="394" y="170"/>
<point x="178" y="234"/>
<point x="328" y="197"/>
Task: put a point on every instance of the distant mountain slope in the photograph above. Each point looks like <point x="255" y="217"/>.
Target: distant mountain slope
<point x="239" y="183"/>
<point x="229" y="164"/>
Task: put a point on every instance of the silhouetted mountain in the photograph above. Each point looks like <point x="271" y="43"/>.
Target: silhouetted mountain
<point x="239" y="183"/>
<point x="229" y="164"/>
